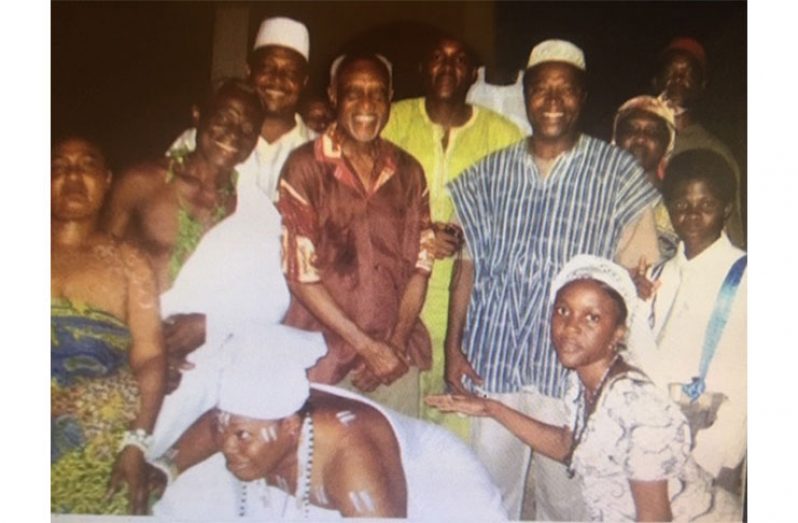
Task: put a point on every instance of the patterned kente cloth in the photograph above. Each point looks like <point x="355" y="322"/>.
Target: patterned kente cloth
<point x="94" y="397"/>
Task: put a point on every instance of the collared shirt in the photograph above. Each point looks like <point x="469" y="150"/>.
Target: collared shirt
<point x="363" y="246"/>
<point x="682" y="308"/>
<point x="521" y="228"/>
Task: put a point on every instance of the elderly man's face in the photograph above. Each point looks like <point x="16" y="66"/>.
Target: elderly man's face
<point x="645" y="136"/>
<point x="362" y="99"/>
<point x="254" y="448"/>
<point x="448" y="71"/>
<point x="79" y="179"/>
<point x="681" y="79"/>
<point x="554" y="96"/>
<point x="228" y="134"/>
<point x="279" y="74"/>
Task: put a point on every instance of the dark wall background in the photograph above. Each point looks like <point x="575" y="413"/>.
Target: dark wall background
<point x="129" y="71"/>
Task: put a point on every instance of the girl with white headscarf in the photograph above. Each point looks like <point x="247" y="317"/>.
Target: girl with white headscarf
<point x="625" y="440"/>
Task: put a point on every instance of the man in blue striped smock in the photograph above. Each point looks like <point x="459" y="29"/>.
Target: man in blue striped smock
<point x="526" y="210"/>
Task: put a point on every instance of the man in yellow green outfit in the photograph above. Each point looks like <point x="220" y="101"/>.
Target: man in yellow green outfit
<point x="446" y="135"/>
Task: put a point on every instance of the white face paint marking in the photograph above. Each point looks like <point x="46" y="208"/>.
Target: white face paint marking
<point x="320" y="495"/>
<point x="362" y="501"/>
<point x="223" y="419"/>
<point x="346" y="417"/>
<point x="269" y="433"/>
<point x="282" y="483"/>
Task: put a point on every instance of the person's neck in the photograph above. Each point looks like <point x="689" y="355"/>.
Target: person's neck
<point x="72" y="233"/>
<point x="684" y="120"/>
<point x="593" y="376"/>
<point x="696" y="247"/>
<point x="285" y="473"/>
<point x="277" y="125"/>
<point x="448" y="113"/>
<point x="207" y="173"/>
<point x="354" y="150"/>
<point x="550" y="149"/>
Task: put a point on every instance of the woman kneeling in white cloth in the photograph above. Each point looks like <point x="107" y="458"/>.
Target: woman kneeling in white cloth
<point x="290" y="449"/>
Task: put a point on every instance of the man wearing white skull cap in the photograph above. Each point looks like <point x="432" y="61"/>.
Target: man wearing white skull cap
<point x="291" y="450"/>
<point x="557" y="194"/>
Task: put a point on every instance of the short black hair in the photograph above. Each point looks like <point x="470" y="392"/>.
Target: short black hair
<point x="437" y="36"/>
<point x="700" y="164"/>
<point x="230" y="86"/>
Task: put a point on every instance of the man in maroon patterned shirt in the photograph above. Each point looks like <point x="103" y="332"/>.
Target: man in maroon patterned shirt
<point x="356" y="225"/>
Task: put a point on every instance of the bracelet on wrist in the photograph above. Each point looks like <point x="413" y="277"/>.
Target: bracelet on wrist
<point x="166" y="464"/>
<point x="137" y="438"/>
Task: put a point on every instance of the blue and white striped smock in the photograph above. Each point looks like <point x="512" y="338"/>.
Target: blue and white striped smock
<point x="521" y="229"/>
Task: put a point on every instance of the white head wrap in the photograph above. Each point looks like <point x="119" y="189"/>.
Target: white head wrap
<point x="657" y="108"/>
<point x="639" y="339"/>
<point x="557" y="51"/>
<point x="589" y="267"/>
<point x="284" y="32"/>
<point x="267" y="376"/>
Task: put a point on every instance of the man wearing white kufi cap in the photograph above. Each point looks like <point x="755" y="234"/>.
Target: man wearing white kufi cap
<point x="290" y="449"/>
<point x="559" y="193"/>
<point x="233" y="276"/>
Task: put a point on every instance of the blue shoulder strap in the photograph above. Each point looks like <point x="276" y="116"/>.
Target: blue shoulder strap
<point x="717" y="322"/>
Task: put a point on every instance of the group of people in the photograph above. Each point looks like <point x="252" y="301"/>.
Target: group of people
<point x="395" y="312"/>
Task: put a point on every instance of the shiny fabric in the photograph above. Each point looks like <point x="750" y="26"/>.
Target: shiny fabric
<point x="94" y="397"/>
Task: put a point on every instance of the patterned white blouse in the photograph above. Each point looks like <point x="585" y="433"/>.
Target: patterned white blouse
<point x="635" y="433"/>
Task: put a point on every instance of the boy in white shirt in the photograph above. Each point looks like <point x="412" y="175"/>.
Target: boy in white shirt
<point x="692" y="299"/>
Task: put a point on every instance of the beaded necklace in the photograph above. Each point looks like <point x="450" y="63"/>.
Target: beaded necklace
<point x="189" y="229"/>
<point x="583" y="419"/>
<point x="304" y="457"/>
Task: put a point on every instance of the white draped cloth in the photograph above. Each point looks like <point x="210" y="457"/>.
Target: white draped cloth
<point x="445" y="481"/>
<point x="234" y="278"/>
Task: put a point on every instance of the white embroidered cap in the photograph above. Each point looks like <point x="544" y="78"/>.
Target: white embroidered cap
<point x="587" y="266"/>
<point x="266" y="377"/>
<point x="284" y="32"/>
<point x="557" y="51"/>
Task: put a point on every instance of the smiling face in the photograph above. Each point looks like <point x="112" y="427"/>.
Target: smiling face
<point x="586" y="324"/>
<point x="554" y="94"/>
<point x="645" y="136"/>
<point x="254" y="448"/>
<point x="279" y="74"/>
<point x="448" y="71"/>
<point x="228" y="129"/>
<point x="362" y="97"/>
<point x="79" y="179"/>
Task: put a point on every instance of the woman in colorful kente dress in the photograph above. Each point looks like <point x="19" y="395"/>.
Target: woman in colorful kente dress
<point x="628" y="444"/>
<point x="107" y="356"/>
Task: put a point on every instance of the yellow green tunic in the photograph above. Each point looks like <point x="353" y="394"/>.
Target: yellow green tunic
<point x="94" y="397"/>
<point x="410" y="128"/>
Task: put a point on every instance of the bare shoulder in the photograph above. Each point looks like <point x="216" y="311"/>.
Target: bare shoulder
<point x="351" y="419"/>
<point x="143" y="178"/>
